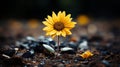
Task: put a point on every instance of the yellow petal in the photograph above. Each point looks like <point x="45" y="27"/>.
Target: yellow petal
<point x="86" y="54"/>
<point x="59" y="15"/>
<point x="49" y="20"/>
<point x="63" y="33"/>
<point x="89" y="53"/>
<point x="53" y="14"/>
<point x="67" y="31"/>
<point x="67" y="18"/>
<point x="47" y="28"/>
<point x="74" y="22"/>
<point x="47" y="24"/>
<point x="52" y="32"/>
<point x="54" y="17"/>
<point x="47" y="34"/>
<point x="53" y="36"/>
<point x="62" y="17"/>
<point x="58" y="33"/>
<point x="70" y="24"/>
<point x="63" y="13"/>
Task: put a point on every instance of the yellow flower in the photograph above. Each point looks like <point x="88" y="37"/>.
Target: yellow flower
<point x="58" y="25"/>
<point x="86" y="54"/>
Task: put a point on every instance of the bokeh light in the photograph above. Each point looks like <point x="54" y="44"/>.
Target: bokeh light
<point x="83" y="20"/>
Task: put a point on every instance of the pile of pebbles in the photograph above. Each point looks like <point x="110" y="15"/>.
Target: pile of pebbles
<point x="42" y="52"/>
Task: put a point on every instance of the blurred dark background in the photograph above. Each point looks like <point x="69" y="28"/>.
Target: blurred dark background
<point x="25" y="16"/>
<point x="27" y="9"/>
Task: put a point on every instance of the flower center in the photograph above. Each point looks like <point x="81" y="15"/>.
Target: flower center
<point x="59" y="26"/>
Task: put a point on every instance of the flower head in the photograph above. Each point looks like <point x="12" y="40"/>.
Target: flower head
<point x="58" y="25"/>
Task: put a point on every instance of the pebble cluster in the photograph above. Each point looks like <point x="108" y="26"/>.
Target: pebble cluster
<point x="42" y="52"/>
